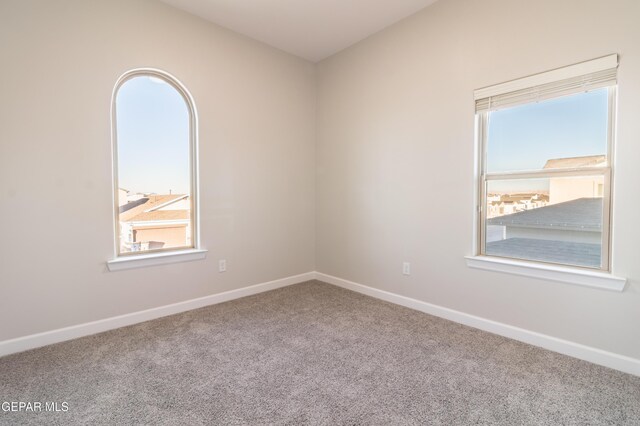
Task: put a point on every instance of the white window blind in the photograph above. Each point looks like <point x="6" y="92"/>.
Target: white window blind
<point x="577" y="78"/>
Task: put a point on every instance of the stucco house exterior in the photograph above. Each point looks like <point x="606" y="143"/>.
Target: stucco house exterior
<point x="570" y="188"/>
<point x="567" y="230"/>
<point x="155" y="222"/>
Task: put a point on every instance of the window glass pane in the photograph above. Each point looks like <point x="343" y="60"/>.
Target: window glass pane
<point x="557" y="220"/>
<point x="153" y="146"/>
<point x="565" y="132"/>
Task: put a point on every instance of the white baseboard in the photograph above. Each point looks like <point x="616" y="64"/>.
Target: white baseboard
<point x="60" y="335"/>
<point x="576" y="350"/>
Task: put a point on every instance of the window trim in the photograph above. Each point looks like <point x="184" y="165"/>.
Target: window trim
<point x="155" y="258"/>
<point x="549" y="272"/>
<point x="609" y="62"/>
<point x="165" y="255"/>
<point x="482" y="177"/>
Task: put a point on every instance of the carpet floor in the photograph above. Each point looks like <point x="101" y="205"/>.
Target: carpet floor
<point x="311" y="353"/>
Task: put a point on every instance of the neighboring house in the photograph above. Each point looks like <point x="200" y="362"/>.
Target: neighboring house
<point x="568" y="232"/>
<point x="564" y="227"/>
<point x="122" y="197"/>
<point x="504" y="204"/>
<point x="125" y="196"/>
<point x="492" y="198"/>
<point x="571" y="188"/>
<point x="155" y="222"/>
<point x="577" y="220"/>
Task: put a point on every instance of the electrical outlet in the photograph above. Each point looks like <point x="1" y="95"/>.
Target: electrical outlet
<point x="222" y="265"/>
<point x="406" y="268"/>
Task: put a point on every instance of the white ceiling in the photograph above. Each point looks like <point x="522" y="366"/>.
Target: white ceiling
<point x="311" y="29"/>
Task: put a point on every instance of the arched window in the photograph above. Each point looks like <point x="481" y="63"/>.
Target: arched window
<point x="155" y="164"/>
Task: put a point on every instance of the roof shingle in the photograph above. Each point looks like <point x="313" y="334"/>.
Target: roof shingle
<point x="583" y="214"/>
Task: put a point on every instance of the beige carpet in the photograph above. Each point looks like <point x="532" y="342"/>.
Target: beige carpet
<point x="311" y="354"/>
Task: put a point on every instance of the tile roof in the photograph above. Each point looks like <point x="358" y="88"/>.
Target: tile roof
<point x="516" y="197"/>
<point x="583" y="214"/>
<point x="128" y="214"/>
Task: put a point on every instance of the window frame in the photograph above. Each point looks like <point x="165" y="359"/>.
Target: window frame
<point x="149" y="256"/>
<point x="483" y="178"/>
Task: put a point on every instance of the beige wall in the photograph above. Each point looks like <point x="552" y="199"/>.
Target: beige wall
<point x="60" y="60"/>
<point x="396" y="157"/>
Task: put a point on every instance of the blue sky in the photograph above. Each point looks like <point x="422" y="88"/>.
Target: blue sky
<point x="525" y="137"/>
<point x="153" y="137"/>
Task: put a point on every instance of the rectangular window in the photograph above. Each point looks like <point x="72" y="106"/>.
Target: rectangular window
<point x="545" y="166"/>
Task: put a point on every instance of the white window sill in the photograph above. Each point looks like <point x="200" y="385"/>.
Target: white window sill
<point x="562" y="274"/>
<point x="152" y="259"/>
